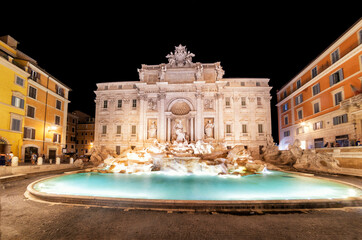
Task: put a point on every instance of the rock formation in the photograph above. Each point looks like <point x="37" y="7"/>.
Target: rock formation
<point x="300" y="159"/>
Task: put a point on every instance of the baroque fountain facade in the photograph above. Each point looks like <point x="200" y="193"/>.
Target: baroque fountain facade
<point x="183" y="101"/>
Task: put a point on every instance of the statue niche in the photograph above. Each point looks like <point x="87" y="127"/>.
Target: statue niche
<point x="152" y="129"/>
<point x="209" y="128"/>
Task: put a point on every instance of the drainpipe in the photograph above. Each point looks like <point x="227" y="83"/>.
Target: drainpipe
<point x="45" y="114"/>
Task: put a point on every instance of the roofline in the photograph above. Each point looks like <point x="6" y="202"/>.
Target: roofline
<point x="355" y="25"/>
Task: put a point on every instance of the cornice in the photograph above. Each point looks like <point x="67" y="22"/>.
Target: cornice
<point x="322" y="74"/>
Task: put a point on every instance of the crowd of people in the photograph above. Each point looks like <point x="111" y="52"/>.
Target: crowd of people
<point x="5" y="159"/>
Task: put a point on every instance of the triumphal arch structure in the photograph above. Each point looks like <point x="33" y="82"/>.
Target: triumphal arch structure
<point x="183" y="100"/>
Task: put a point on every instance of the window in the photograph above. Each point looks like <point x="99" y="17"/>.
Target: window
<point x="244" y="128"/>
<point x="257" y="84"/>
<point x="15" y="124"/>
<point x="105" y="87"/>
<point x="285" y="107"/>
<point x="134" y="103"/>
<point x="17" y="102"/>
<point x="318" y="142"/>
<point x="29" y="133"/>
<point x="286" y="120"/>
<point x="316" y="107"/>
<point x="340" y="119"/>
<point x="104" y="129"/>
<point x="32" y="92"/>
<point x="242" y="84"/>
<point x="300" y="114"/>
<point x="228" y="129"/>
<point x="314" y="72"/>
<point x="300" y="130"/>
<point x="286" y="133"/>
<point x="318" y="125"/>
<point x="335" y="56"/>
<point x="56" y="138"/>
<point x="30" y="112"/>
<point x="299" y="83"/>
<point x="243" y="101"/>
<point x="336" y="77"/>
<point x="316" y="89"/>
<point x="57" y="120"/>
<point x="285" y="94"/>
<point x="58" y="105"/>
<point x="34" y="75"/>
<point x="105" y="104"/>
<point x="119" y="129"/>
<point x="258" y="101"/>
<point x="59" y="90"/>
<point x="133" y="130"/>
<point x="260" y="128"/>
<point x="338" y="98"/>
<point x="73" y="129"/>
<point x="119" y="86"/>
<point x="298" y="99"/>
<point x="227" y="102"/>
<point x="360" y="36"/>
<point x="118" y="150"/>
<point x="119" y="104"/>
<point x="19" y="81"/>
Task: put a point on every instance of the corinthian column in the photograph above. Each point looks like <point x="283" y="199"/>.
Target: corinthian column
<point x="199" y="123"/>
<point x="142" y="123"/>
<point x="220" y="115"/>
<point x="161" y="114"/>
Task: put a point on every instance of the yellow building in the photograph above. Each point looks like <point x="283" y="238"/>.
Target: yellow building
<point x="43" y="107"/>
<point x="13" y="91"/>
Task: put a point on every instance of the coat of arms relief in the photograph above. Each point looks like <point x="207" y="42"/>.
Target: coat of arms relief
<point x="181" y="57"/>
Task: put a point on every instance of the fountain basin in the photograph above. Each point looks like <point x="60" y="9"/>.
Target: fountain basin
<point x="160" y="190"/>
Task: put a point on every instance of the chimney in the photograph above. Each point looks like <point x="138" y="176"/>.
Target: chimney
<point x="9" y="40"/>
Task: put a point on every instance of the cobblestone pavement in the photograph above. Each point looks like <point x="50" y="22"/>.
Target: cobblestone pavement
<point x="25" y="219"/>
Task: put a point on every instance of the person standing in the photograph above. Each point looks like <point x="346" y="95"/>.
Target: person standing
<point x="33" y="158"/>
<point x="9" y="158"/>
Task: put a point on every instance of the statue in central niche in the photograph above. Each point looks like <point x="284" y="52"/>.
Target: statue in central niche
<point x="179" y="130"/>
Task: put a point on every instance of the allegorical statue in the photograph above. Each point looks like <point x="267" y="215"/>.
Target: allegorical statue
<point x="209" y="129"/>
<point x="152" y="131"/>
<point x="199" y="72"/>
<point x="179" y="130"/>
<point x="141" y="74"/>
<point x="219" y="72"/>
<point x="162" y="73"/>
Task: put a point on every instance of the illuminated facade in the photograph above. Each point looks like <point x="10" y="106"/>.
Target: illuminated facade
<point x="13" y="93"/>
<point x="321" y="105"/>
<point x="43" y="108"/>
<point x="183" y="100"/>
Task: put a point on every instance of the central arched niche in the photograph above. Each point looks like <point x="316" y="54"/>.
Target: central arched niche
<point x="180" y="108"/>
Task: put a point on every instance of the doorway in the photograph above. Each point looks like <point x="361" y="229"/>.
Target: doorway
<point x="52" y="154"/>
<point x="28" y="152"/>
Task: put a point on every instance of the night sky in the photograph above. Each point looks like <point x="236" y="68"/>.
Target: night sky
<point x="85" y="45"/>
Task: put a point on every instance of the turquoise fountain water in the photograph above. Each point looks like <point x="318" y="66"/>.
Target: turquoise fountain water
<point x="272" y="185"/>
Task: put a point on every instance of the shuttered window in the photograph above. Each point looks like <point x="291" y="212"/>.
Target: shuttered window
<point x="340" y="119"/>
<point x="316" y="89"/>
<point x="29" y="133"/>
<point x="15" y="124"/>
<point x="30" y="112"/>
<point x="32" y="92"/>
<point x="17" y="102"/>
<point x="336" y="77"/>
